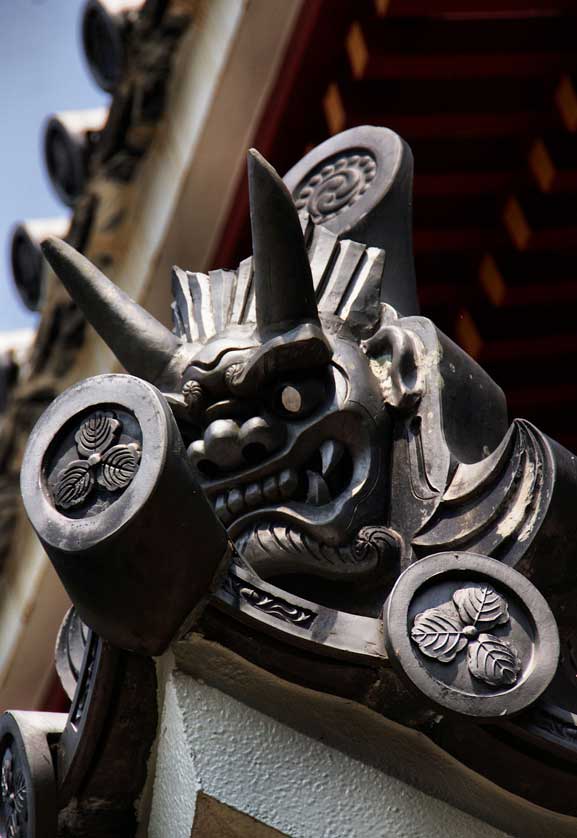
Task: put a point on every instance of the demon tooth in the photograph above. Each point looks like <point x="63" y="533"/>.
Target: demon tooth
<point x="253" y="494"/>
<point x="317" y="493"/>
<point x="270" y="488"/>
<point x="331" y="453"/>
<point x="235" y="501"/>
<point x="221" y="510"/>
<point x="287" y="482"/>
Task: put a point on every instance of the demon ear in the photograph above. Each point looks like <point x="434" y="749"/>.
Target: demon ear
<point x="395" y="357"/>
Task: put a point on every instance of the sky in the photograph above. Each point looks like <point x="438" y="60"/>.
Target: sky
<point x="42" y="70"/>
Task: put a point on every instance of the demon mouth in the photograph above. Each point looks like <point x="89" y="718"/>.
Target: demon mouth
<point x="322" y="478"/>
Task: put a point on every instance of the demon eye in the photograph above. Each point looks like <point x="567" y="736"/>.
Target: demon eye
<point x="296" y="399"/>
<point x="291" y="399"/>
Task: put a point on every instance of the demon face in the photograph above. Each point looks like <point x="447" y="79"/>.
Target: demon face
<point x="284" y="421"/>
<point x="288" y="430"/>
<point x="293" y="460"/>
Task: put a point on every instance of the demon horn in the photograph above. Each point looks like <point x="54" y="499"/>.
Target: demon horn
<point x="143" y="346"/>
<point x="283" y="283"/>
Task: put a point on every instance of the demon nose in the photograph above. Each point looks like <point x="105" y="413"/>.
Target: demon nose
<point x="222" y="444"/>
<point x="228" y="445"/>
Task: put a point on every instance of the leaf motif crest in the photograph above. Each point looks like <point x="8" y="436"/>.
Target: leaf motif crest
<point x="97" y="433"/>
<point x="494" y="661"/>
<point x="438" y="635"/>
<point x="119" y="466"/>
<point x="481" y="606"/>
<point x="74" y="484"/>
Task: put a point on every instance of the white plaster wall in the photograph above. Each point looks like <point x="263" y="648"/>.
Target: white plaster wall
<point x="176" y="782"/>
<point x="212" y="743"/>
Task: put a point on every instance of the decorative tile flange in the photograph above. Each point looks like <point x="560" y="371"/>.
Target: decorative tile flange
<point x="471" y="634"/>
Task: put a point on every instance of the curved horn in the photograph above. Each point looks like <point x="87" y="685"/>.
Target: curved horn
<point x="283" y="283"/>
<point x="143" y="346"/>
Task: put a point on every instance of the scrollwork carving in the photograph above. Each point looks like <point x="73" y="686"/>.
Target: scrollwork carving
<point x="233" y="375"/>
<point x="265" y="602"/>
<point x="194" y="396"/>
<point x="373" y="545"/>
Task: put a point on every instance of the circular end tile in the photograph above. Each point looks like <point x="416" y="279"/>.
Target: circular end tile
<point x="344" y="178"/>
<point x="471" y="634"/>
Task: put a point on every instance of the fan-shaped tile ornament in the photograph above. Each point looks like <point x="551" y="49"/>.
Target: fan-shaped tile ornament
<point x="494" y="661"/>
<point x="97" y="433"/>
<point x="74" y="484"/>
<point x="481" y="606"/>
<point x="438" y="635"/>
<point x="119" y="465"/>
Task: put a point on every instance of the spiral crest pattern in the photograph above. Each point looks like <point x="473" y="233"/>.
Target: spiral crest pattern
<point x="335" y="186"/>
